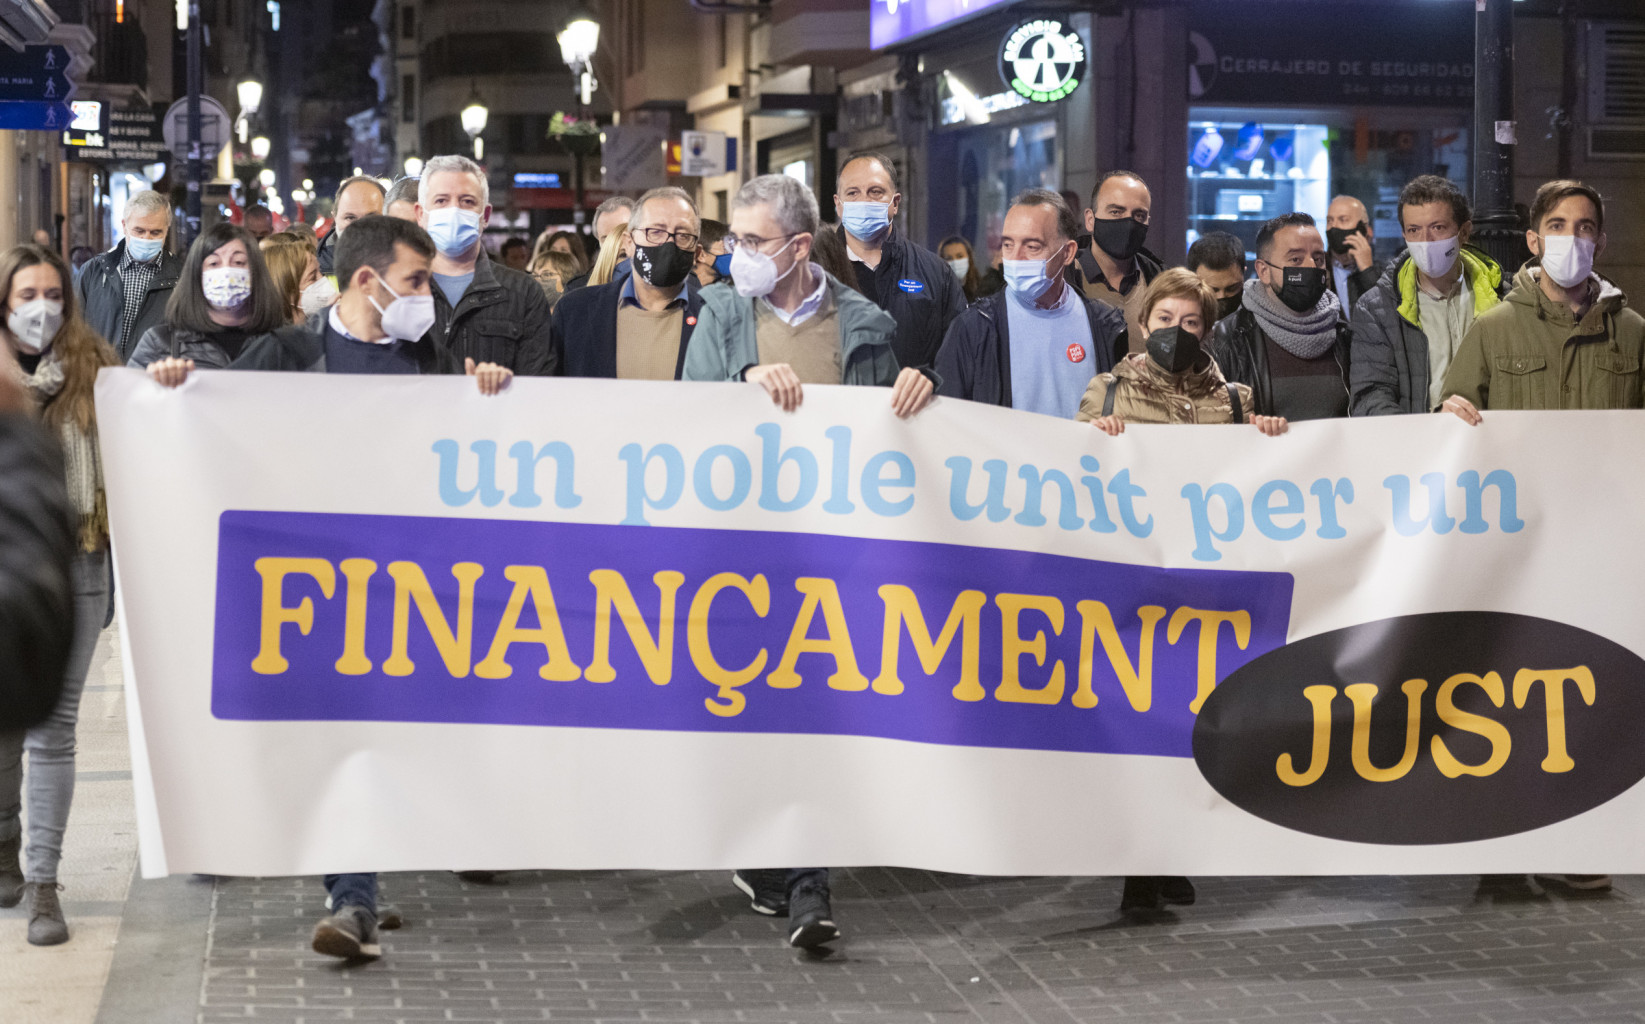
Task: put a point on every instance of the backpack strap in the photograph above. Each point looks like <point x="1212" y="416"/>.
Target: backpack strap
<point x="1108" y="399"/>
<point x="1234" y="404"/>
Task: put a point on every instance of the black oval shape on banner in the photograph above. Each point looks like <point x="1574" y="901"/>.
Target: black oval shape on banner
<point x="1476" y="770"/>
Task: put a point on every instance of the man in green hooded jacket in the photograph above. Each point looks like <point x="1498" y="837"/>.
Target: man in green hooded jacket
<point x="1565" y="338"/>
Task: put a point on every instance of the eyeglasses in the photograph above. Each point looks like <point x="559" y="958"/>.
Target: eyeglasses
<point x="755" y="242"/>
<point x="657" y="236"/>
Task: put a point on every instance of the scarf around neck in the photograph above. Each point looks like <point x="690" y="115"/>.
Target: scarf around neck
<point x="1305" y="335"/>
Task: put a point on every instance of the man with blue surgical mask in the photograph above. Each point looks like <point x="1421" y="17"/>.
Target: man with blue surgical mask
<point x="483" y="310"/>
<point x="1037" y="344"/>
<point x="908" y="281"/>
<point x="124" y="292"/>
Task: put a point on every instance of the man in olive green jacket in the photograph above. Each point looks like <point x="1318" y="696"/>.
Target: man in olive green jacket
<point x="1564" y="338"/>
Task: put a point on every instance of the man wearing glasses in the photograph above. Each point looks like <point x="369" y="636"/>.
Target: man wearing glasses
<point x="1289" y="341"/>
<point x="638" y="326"/>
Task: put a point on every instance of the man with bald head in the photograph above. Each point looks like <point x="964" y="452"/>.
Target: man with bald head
<point x="638" y="326"/>
<point x="359" y="196"/>
<point x="1348" y="234"/>
<point x="909" y="281"/>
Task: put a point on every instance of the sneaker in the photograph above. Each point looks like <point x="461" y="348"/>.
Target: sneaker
<point x="388" y="917"/>
<point x="349" y="934"/>
<point x="11" y="872"/>
<point x="810" y="917"/>
<point x="46" y="924"/>
<point x="766" y="888"/>
<point x="1579" y="883"/>
<point x="1176" y="892"/>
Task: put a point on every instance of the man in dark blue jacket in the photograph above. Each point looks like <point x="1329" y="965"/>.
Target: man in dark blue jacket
<point x="124" y="292"/>
<point x="638" y="326"/>
<point x="1036" y="345"/>
<point x="910" y="282"/>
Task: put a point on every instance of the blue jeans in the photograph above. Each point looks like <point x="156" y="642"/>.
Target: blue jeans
<point x="50" y="745"/>
<point x="360" y="890"/>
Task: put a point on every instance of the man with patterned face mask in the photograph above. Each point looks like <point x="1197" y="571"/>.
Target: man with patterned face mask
<point x="1289" y="340"/>
<point x="638" y="327"/>
<point x="1407" y="328"/>
<point x="483" y="310"/>
<point x="1565" y="337"/>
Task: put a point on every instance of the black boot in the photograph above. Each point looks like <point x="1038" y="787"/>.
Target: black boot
<point x="11" y="873"/>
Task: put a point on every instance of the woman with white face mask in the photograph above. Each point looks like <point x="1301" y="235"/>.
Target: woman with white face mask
<point x="224" y="301"/>
<point x="57" y="356"/>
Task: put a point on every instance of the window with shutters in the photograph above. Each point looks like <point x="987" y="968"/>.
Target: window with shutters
<point x="1616" y="90"/>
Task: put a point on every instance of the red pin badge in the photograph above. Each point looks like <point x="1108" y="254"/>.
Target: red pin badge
<point x="691" y="321"/>
<point x="1076" y="353"/>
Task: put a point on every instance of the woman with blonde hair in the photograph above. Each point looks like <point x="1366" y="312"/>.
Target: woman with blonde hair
<point x="58" y="356"/>
<point x="294" y="264"/>
<point x="612" y="250"/>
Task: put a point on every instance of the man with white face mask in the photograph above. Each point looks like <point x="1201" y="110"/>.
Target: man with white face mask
<point x="909" y="281"/>
<point x="1037" y="344"/>
<point x="789" y="323"/>
<point x="1407" y="328"/>
<point x="483" y="310"/>
<point x="1565" y="338"/>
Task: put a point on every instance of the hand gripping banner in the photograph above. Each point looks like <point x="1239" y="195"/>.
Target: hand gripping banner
<point x="377" y="623"/>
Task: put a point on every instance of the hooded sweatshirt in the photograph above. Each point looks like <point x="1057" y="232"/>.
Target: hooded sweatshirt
<point x="1532" y="352"/>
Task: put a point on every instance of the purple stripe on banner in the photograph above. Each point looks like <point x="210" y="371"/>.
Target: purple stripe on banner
<point x="327" y="617"/>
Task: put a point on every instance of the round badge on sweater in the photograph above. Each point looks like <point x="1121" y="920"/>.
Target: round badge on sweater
<point x="1076" y="353"/>
<point x="691" y="321"/>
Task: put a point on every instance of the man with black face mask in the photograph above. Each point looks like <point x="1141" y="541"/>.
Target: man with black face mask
<point x="1348" y="235"/>
<point x="1218" y="259"/>
<point x="1115" y="269"/>
<point x="1289" y="341"/>
<point x="638" y="327"/>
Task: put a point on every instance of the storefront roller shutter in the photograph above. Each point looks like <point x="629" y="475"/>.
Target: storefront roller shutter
<point x="1616" y="90"/>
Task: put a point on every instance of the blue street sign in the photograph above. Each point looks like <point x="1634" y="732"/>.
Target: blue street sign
<point x="37" y="117"/>
<point x="37" y="85"/>
<point x="40" y="58"/>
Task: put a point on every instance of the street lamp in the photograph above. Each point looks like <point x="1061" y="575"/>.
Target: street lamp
<point x="414" y="167"/>
<point x="250" y="92"/>
<point x="578" y="41"/>
<point x="266" y="177"/>
<point x="474" y="122"/>
<point x="260" y="147"/>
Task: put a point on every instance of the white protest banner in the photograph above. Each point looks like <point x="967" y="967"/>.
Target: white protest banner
<point x="382" y="623"/>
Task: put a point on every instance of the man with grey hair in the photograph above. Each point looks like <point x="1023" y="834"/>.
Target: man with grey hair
<point x="401" y="200"/>
<point x="359" y="196"/>
<point x="788" y="324"/>
<point x="608" y="216"/>
<point x="639" y="326"/>
<point x="124" y="292"/>
<point x="482" y="310"/>
<point x="1037" y="344"/>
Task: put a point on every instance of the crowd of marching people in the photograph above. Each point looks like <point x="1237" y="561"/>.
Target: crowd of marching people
<point x="1078" y="320"/>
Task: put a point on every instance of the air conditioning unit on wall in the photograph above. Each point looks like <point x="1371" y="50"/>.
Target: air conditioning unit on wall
<point x="1616" y="90"/>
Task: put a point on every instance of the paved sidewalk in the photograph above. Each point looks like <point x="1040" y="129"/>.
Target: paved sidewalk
<point x="919" y="947"/>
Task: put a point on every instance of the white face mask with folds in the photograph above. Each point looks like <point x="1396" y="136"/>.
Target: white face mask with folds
<point x="1567" y="259"/>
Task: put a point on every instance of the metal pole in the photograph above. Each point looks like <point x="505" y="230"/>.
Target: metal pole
<point x="196" y="168"/>
<point x="1497" y="229"/>
<point x="578" y="216"/>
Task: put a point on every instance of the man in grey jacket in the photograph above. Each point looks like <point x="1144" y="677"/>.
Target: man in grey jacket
<point x="789" y="324"/>
<point x="1407" y="328"/>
